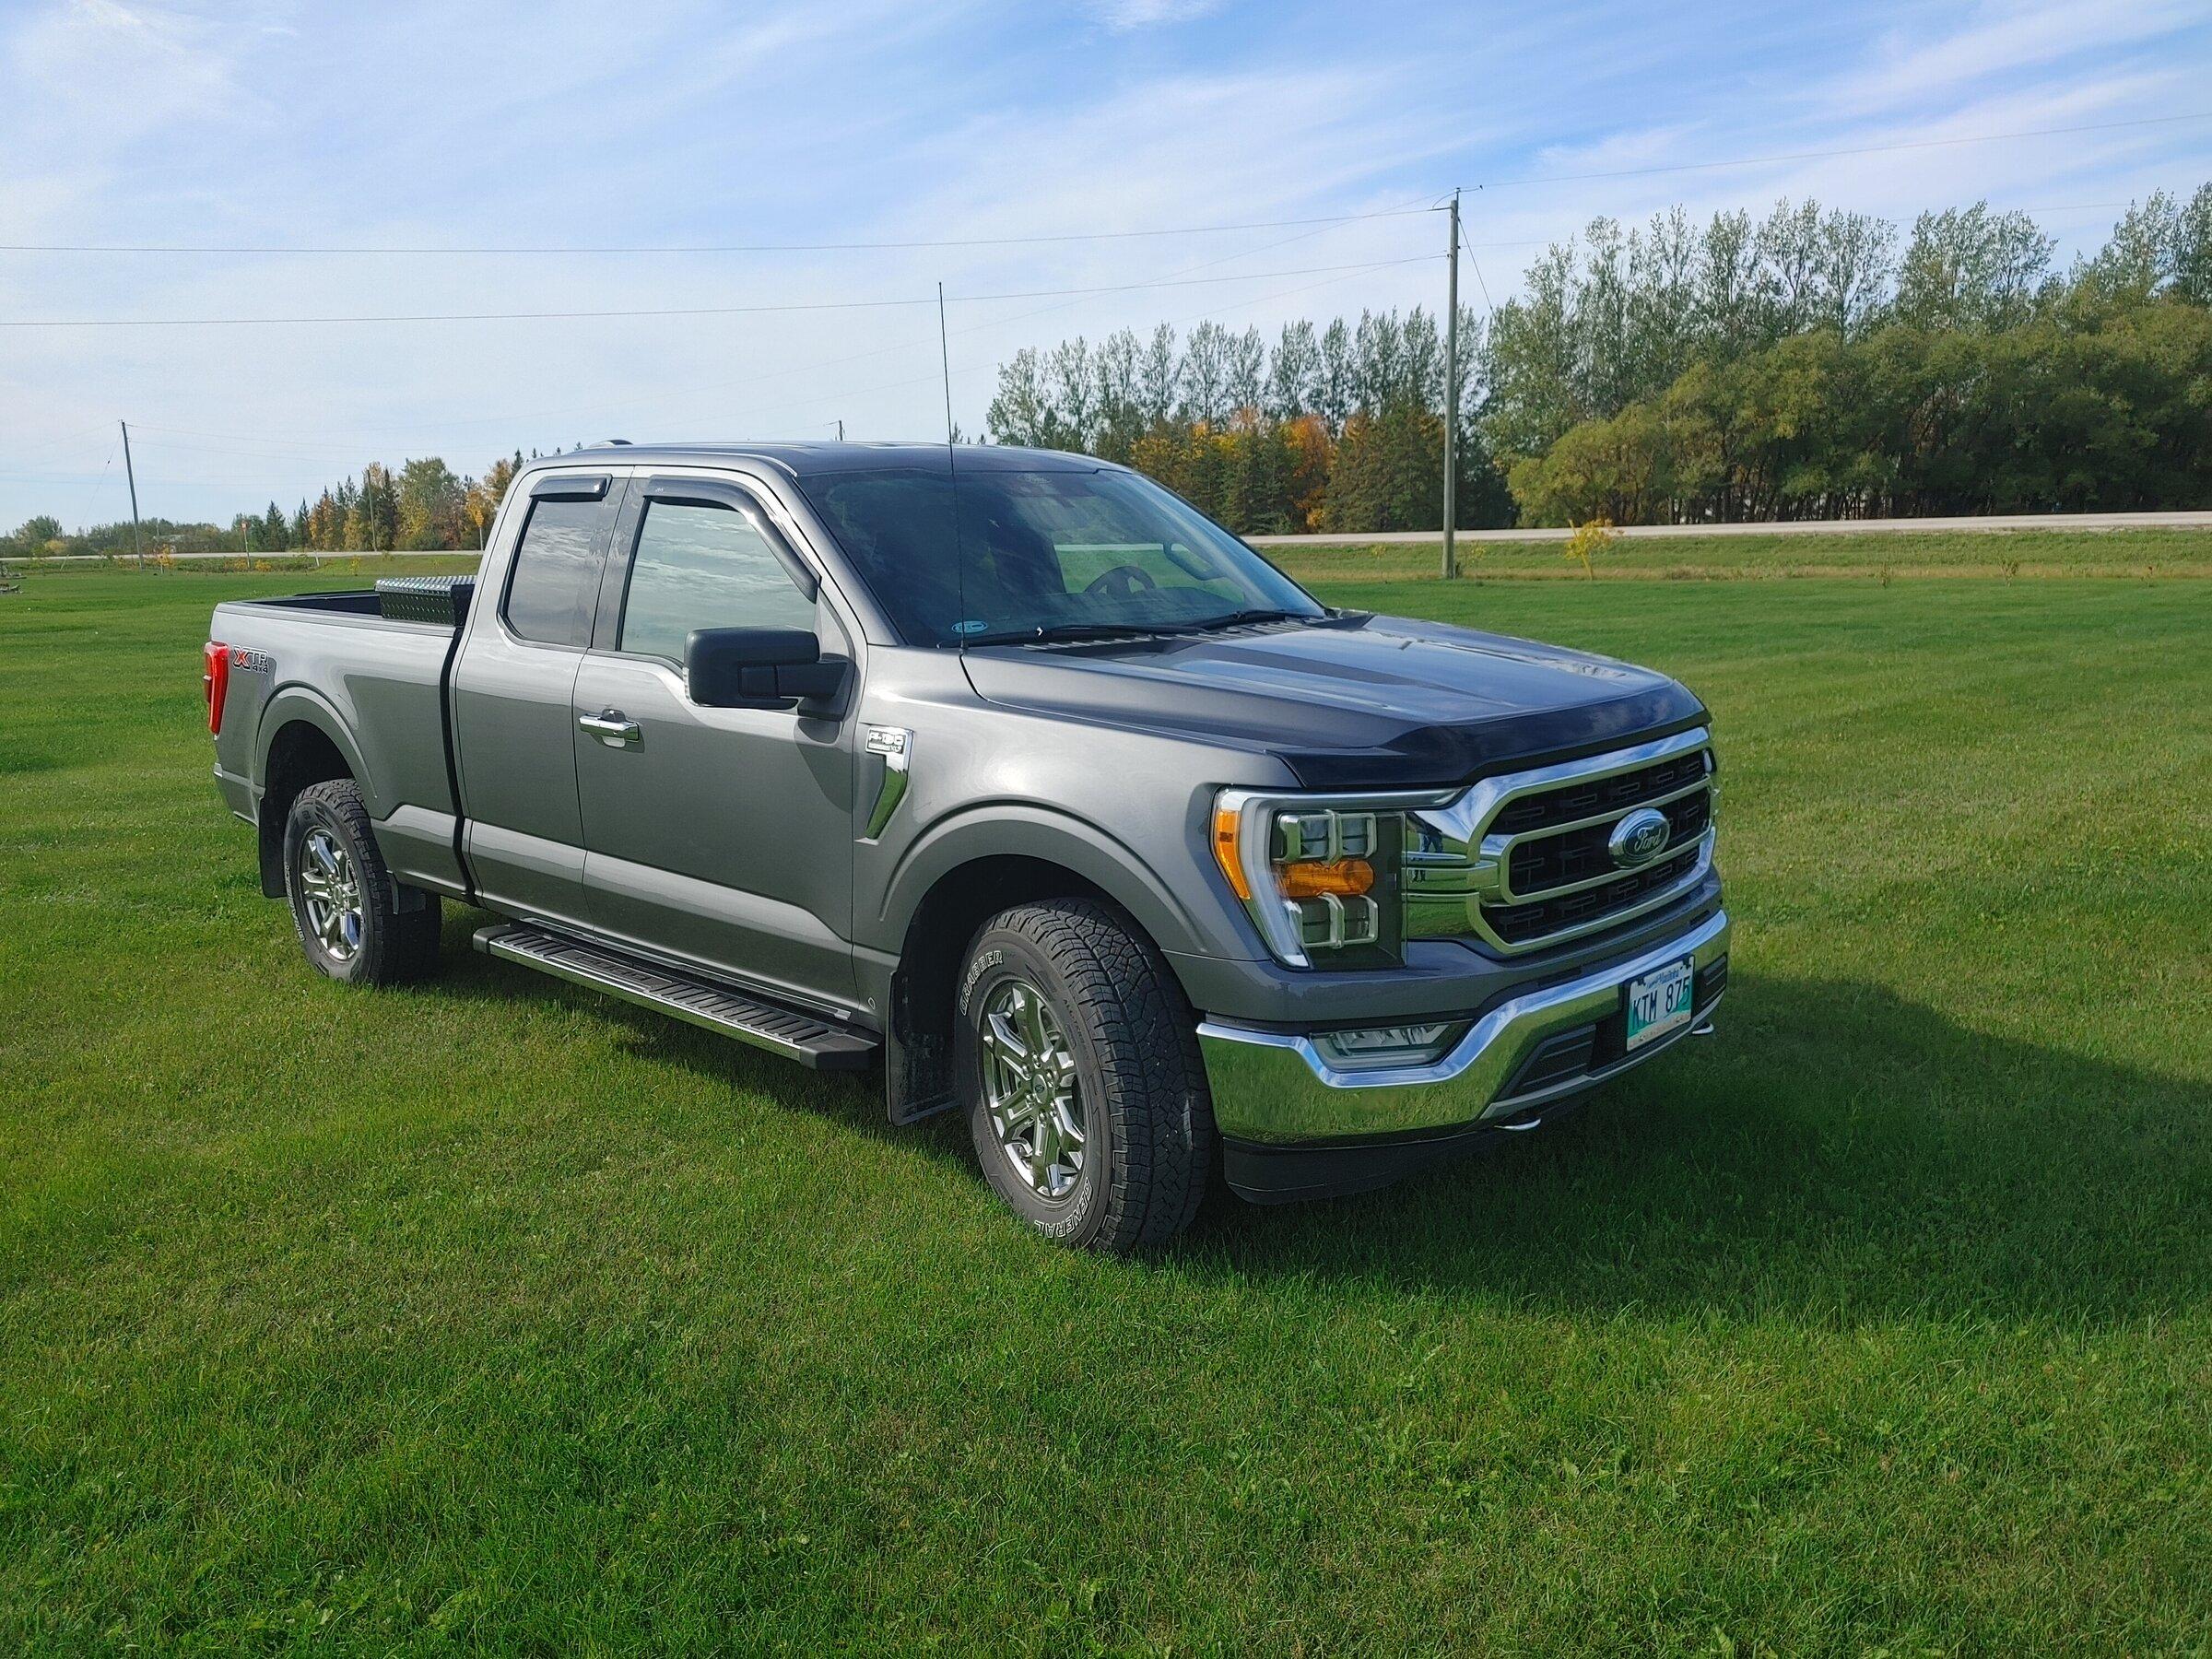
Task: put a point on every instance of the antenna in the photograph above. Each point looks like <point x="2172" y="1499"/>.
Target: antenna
<point x="1451" y="398"/>
<point x="952" y="479"/>
<point x="945" y="357"/>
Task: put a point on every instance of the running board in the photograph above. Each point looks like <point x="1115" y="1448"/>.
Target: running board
<point x="806" y="1038"/>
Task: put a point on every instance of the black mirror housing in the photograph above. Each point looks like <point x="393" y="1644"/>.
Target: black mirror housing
<point x="758" y="668"/>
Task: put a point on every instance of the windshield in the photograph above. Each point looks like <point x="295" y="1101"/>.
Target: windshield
<point x="1042" y="554"/>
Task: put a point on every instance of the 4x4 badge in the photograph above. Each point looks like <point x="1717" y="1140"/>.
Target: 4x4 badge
<point x="896" y="745"/>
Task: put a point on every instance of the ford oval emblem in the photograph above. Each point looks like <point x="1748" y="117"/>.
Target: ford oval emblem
<point x="1639" y="838"/>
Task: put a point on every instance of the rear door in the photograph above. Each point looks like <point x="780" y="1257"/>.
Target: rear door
<point x="720" y="836"/>
<point x="514" y="682"/>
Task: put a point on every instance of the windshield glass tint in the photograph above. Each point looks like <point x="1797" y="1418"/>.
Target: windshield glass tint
<point x="1040" y="552"/>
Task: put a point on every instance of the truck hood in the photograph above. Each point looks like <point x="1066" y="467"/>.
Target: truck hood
<point x="1348" y="702"/>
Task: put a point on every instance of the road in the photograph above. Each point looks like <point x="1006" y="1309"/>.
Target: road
<point x="2193" y="520"/>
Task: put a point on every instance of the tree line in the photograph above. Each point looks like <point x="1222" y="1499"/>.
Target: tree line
<point x="1809" y="364"/>
<point x="423" y="505"/>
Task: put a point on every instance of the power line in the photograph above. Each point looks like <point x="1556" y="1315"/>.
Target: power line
<point x="1340" y="273"/>
<point x="1173" y="322"/>
<point x="1862" y="149"/>
<point x="836" y="247"/>
<point x="684" y="311"/>
<point x="1487" y="304"/>
<point x="50" y="442"/>
<point x="91" y="507"/>
<point x="663" y="397"/>
<point x="298" y="448"/>
<point x="309" y="454"/>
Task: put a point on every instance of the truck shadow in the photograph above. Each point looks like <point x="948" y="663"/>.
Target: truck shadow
<point x="1834" y="1150"/>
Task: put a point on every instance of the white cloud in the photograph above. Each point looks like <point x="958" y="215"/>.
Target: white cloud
<point x="1922" y="62"/>
<point x="563" y="121"/>
<point x="1123" y="15"/>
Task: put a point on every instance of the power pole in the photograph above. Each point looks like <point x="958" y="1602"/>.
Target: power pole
<point x="137" y="542"/>
<point x="841" y="431"/>
<point x="1451" y="398"/>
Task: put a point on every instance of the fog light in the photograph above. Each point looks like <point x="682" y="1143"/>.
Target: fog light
<point x="1373" y="1047"/>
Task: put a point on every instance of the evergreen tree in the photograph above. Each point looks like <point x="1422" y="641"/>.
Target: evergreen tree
<point x="1294" y="372"/>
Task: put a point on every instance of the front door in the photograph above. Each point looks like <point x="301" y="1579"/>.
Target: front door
<point x="723" y="837"/>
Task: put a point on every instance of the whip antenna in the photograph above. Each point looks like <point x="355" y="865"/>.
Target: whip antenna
<point x="945" y="359"/>
<point x="952" y="477"/>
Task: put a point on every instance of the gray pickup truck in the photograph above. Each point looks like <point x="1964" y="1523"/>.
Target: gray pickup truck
<point x="1010" y="774"/>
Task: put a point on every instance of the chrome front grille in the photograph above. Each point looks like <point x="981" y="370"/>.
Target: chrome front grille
<point x="1536" y="858"/>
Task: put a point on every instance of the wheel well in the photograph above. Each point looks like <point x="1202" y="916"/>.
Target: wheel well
<point x="919" y="1074"/>
<point x="301" y="756"/>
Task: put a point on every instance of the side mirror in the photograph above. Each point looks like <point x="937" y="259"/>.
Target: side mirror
<point x="760" y="668"/>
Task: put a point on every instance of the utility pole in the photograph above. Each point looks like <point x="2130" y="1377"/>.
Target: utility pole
<point x="137" y="542"/>
<point x="1451" y="398"/>
<point x="841" y="431"/>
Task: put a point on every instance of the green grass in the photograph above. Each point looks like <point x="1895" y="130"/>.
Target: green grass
<point x="1885" y="556"/>
<point x="489" y="1313"/>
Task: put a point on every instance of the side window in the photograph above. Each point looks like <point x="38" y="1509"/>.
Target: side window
<point x="556" y="575"/>
<point x="704" y="567"/>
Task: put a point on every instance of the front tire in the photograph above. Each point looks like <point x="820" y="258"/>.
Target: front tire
<point x="356" y="921"/>
<point x="1077" y="1059"/>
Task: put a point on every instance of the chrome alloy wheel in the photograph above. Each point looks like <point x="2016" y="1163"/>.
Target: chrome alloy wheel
<point x="1031" y="1090"/>
<point x="333" y="889"/>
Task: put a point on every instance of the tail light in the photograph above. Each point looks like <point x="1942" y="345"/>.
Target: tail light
<point x="215" y="680"/>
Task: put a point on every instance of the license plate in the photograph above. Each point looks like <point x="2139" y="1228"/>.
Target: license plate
<point x="1658" y="1003"/>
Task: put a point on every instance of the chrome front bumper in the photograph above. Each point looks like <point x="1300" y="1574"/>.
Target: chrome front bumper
<point x="1273" y="1087"/>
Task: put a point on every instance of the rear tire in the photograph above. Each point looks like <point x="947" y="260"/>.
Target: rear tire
<point x="357" y="923"/>
<point x="1079" y="1064"/>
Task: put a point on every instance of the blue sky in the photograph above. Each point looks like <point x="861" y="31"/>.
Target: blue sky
<point x="439" y="125"/>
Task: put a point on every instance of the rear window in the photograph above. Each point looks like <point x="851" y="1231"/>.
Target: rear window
<point x="552" y="593"/>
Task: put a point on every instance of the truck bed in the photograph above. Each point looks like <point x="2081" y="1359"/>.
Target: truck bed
<point x="361" y="603"/>
<point x="382" y="679"/>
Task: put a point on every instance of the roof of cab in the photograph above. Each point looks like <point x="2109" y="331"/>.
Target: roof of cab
<point x="801" y="460"/>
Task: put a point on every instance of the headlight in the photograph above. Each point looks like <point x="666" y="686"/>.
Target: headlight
<point x="1318" y="874"/>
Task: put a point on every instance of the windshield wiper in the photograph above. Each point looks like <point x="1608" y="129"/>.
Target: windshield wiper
<point x="1235" y="618"/>
<point x="1045" y="633"/>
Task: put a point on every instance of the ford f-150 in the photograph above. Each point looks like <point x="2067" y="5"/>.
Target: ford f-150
<point x="1008" y="774"/>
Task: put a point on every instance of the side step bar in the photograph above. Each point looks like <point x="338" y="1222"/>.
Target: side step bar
<point x="806" y="1038"/>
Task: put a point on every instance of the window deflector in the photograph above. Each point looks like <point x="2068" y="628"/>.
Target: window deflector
<point x="707" y="492"/>
<point x="570" y="487"/>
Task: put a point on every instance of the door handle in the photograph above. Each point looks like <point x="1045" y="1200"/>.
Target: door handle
<point x="613" y="727"/>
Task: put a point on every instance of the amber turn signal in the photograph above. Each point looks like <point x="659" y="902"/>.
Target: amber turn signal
<point x="1346" y="877"/>
<point x="1224" y="853"/>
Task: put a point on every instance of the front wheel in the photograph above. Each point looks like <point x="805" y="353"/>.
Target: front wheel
<point x="1079" y="1064"/>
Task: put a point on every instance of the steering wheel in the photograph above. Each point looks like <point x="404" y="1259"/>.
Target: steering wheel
<point x="1134" y="579"/>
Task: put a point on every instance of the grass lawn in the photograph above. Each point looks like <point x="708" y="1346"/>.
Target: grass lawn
<point x="496" y="1314"/>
